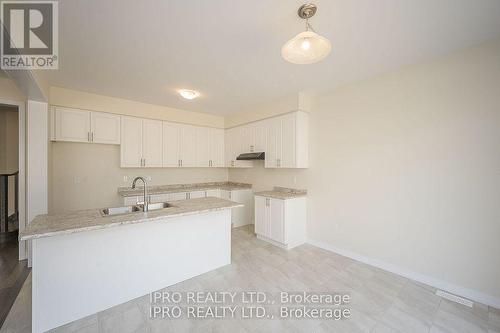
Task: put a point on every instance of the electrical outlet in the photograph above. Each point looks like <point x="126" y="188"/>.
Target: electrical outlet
<point x="148" y="178"/>
<point x="77" y="180"/>
<point x="125" y="178"/>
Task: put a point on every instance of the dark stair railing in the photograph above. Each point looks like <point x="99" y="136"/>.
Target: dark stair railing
<point x="4" y="200"/>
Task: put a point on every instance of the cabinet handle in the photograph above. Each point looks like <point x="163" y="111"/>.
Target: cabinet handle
<point x="252" y="148"/>
<point x="92" y="136"/>
<point x="88" y="136"/>
<point x="278" y="162"/>
<point x="144" y="162"/>
<point x="181" y="162"/>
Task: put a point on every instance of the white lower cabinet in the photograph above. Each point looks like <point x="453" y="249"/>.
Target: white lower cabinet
<point x="196" y="194"/>
<point x="241" y="215"/>
<point x="213" y="193"/>
<point x="281" y="222"/>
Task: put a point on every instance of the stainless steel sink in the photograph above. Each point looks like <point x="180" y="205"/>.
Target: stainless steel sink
<point x="120" y="210"/>
<point x="133" y="209"/>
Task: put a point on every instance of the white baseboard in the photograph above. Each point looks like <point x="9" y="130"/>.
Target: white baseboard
<point x="471" y="294"/>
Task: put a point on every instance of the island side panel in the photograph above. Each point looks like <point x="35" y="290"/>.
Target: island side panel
<point x="76" y="275"/>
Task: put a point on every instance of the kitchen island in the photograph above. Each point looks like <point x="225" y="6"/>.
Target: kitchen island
<point x="84" y="262"/>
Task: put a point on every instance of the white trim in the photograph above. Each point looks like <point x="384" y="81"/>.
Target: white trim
<point x="471" y="294"/>
<point x="22" y="167"/>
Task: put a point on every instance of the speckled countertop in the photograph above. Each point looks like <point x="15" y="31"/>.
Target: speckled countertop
<point x="283" y="193"/>
<point x="86" y="220"/>
<point x="162" y="189"/>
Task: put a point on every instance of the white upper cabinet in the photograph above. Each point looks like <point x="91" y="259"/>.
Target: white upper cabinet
<point x="259" y="136"/>
<point x="77" y="125"/>
<point x="72" y="125"/>
<point x="216" y="147"/>
<point x="234" y="146"/>
<point x="131" y="142"/>
<point x="141" y="143"/>
<point x="273" y="143"/>
<point x="284" y="139"/>
<point x="188" y="146"/>
<point x="203" y="147"/>
<point x="152" y="140"/>
<point x="287" y="141"/>
<point x="105" y="128"/>
<point x="171" y="144"/>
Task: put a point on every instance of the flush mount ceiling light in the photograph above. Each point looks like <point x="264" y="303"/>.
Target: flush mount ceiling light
<point x="189" y="94"/>
<point x="307" y="47"/>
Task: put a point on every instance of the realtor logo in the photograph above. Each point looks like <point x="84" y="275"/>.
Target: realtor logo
<point x="29" y="35"/>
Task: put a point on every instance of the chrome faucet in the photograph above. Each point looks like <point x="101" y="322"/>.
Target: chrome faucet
<point x="145" y="206"/>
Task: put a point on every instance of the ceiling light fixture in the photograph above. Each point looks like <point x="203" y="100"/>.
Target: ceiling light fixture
<point x="189" y="94"/>
<point x="307" y="47"/>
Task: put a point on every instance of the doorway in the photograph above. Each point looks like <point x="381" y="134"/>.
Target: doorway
<point x="13" y="271"/>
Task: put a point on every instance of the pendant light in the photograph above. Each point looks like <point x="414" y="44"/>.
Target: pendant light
<point x="307" y="47"/>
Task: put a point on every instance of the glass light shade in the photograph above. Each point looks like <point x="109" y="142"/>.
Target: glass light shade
<point x="188" y="94"/>
<point x="306" y="48"/>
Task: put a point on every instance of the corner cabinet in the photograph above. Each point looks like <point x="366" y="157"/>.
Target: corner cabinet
<point x="141" y="143"/>
<point x="281" y="222"/>
<point x="287" y="141"/>
<point x="75" y="125"/>
<point x="284" y="139"/>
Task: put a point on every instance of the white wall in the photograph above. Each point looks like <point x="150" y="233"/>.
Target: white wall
<point x="94" y="102"/>
<point x="88" y="175"/>
<point x="405" y="169"/>
<point x="9" y="90"/>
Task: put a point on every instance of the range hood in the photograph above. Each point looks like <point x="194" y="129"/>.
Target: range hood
<point x="251" y="156"/>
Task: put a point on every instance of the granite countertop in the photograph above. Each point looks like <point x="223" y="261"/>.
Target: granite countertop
<point x="162" y="189"/>
<point x="86" y="220"/>
<point x="282" y="193"/>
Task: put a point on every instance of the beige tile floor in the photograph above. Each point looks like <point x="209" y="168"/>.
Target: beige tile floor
<point x="380" y="301"/>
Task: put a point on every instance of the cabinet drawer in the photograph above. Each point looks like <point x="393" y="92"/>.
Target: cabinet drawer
<point x="130" y="201"/>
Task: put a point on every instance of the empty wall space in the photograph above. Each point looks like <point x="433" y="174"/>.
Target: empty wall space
<point x="404" y="168"/>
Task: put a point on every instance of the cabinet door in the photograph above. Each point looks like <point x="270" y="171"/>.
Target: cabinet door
<point x="259" y="137"/>
<point x="203" y="147"/>
<point x="188" y="146"/>
<point x="197" y="194"/>
<point x="171" y="144"/>
<point x="72" y="125"/>
<point x="261" y="216"/>
<point x="217" y="147"/>
<point x="288" y="141"/>
<point x="229" y="147"/>
<point x="247" y="139"/>
<point x="105" y="128"/>
<point x="273" y="143"/>
<point x="226" y="195"/>
<point x="276" y="220"/>
<point x="154" y="198"/>
<point x="152" y="149"/>
<point x="213" y="193"/>
<point x="177" y="196"/>
<point x="131" y="142"/>
<point x="130" y="201"/>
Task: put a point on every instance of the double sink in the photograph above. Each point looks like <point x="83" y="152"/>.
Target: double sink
<point x="134" y="209"/>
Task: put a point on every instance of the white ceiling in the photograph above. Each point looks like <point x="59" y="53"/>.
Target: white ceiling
<point x="230" y="50"/>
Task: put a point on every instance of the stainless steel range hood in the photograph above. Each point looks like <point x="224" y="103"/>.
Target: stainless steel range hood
<point x="251" y="156"/>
